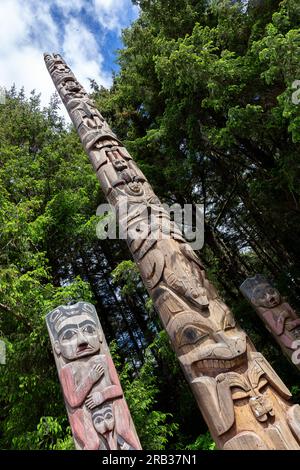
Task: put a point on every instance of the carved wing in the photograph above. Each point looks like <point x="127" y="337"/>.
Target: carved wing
<point x="219" y="414"/>
<point x="232" y="379"/>
<point x="153" y="269"/>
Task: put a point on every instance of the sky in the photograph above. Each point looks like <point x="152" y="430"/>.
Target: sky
<point x="85" y="32"/>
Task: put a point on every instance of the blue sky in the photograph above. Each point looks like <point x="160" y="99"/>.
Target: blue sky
<point x="86" y="32"/>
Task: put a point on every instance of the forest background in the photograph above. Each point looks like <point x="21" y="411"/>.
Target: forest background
<point x="203" y="102"/>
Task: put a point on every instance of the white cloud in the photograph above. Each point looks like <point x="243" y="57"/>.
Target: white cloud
<point x="83" y="56"/>
<point x="113" y="14"/>
<point x="68" y="6"/>
<point x="28" y="28"/>
<point x="13" y="23"/>
<point x="33" y="76"/>
<point x="25" y="29"/>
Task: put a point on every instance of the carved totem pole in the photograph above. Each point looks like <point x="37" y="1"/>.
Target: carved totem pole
<point x="242" y="399"/>
<point x="278" y="316"/>
<point x="98" y="413"/>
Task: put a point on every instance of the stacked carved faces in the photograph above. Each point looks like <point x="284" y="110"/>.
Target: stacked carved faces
<point x="240" y="395"/>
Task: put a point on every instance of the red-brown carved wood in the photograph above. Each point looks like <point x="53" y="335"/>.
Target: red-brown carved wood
<point x="97" y="411"/>
<point x="278" y="316"/>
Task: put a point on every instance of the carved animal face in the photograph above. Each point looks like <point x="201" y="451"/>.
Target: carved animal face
<point x="261" y="407"/>
<point x="103" y="419"/>
<point x="209" y="344"/>
<point x="77" y="337"/>
<point x="60" y="67"/>
<point x="266" y="296"/>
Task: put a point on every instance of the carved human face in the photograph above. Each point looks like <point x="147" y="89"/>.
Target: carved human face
<point x="74" y="88"/>
<point x="103" y="419"/>
<point x="77" y="337"/>
<point x="135" y="188"/>
<point x="209" y="344"/>
<point x="61" y="67"/>
<point x="72" y="85"/>
<point x="120" y="164"/>
<point x="266" y="296"/>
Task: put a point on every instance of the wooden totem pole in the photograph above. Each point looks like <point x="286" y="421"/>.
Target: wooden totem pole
<point x="98" y="413"/>
<point x="278" y="316"/>
<point x="244" y="402"/>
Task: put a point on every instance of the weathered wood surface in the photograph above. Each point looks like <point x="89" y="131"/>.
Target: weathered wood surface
<point x="244" y="402"/>
<point x="97" y="411"/>
<point x="279" y="317"/>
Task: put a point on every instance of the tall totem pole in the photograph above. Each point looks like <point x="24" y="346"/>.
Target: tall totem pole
<point x="244" y="402"/>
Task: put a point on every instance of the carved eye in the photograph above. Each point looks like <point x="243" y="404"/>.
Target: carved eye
<point x="68" y="335"/>
<point x="229" y="322"/>
<point x="89" y="329"/>
<point x="191" y="335"/>
<point x="259" y="294"/>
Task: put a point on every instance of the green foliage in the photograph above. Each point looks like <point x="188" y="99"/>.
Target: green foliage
<point x="203" y="442"/>
<point x="49" y="435"/>
<point x="153" y="427"/>
<point x="49" y="196"/>
<point x="127" y="273"/>
<point x="34" y="207"/>
<point x="203" y="101"/>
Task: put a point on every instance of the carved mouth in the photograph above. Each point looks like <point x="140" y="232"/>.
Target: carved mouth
<point x="215" y="365"/>
<point x="83" y="349"/>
